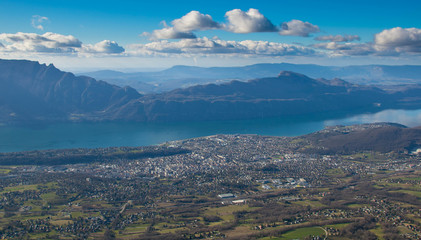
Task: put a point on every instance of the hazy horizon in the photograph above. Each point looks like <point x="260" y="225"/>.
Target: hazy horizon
<point x="79" y="70"/>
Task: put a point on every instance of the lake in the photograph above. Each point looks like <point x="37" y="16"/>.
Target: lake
<point x="92" y="135"/>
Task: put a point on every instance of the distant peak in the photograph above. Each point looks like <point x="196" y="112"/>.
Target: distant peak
<point x="51" y="66"/>
<point x="289" y="74"/>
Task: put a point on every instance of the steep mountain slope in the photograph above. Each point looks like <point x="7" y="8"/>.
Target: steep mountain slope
<point x="31" y="91"/>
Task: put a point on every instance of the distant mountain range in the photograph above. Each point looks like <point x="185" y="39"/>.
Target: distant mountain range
<point x="186" y="76"/>
<point x="30" y="91"/>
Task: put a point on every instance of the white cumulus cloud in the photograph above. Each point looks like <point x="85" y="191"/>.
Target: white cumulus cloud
<point x="169" y="33"/>
<point x="399" y="40"/>
<point x="105" y="46"/>
<point x="183" y="27"/>
<point x="389" y="42"/>
<point x="237" y="21"/>
<point x="338" y="38"/>
<point x="53" y="43"/>
<point x="47" y="42"/>
<point x="298" y="28"/>
<point x="193" y="21"/>
<point x="206" y="46"/>
<point x="248" y="22"/>
<point x="347" y="48"/>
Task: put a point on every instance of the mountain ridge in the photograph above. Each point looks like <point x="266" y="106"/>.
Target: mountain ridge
<point x="185" y="76"/>
<point x="36" y="92"/>
<point x="58" y="94"/>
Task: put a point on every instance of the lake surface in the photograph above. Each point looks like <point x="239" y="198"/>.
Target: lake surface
<point x="92" y="135"/>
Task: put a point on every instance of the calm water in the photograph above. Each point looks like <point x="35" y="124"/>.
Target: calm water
<point x="91" y="135"/>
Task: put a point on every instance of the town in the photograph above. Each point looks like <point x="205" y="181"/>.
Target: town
<point x="215" y="187"/>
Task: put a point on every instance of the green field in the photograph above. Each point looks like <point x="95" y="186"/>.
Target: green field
<point x="300" y="233"/>
<point x="5" y="170"/>
<point x="19" y="188"/>
<point x="414" y="193"/>
<point x="311" y="203"/>
<point x="378" y="231"/>
<point x="226" y="212"/>
<point x="337" y="226"/>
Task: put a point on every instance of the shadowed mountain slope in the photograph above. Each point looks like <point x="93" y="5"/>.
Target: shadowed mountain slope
<point x="30" y="91"/>
<point x="286" y="95"/>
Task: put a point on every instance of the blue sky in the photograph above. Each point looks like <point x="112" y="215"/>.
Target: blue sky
<point x="132" y="34"/>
